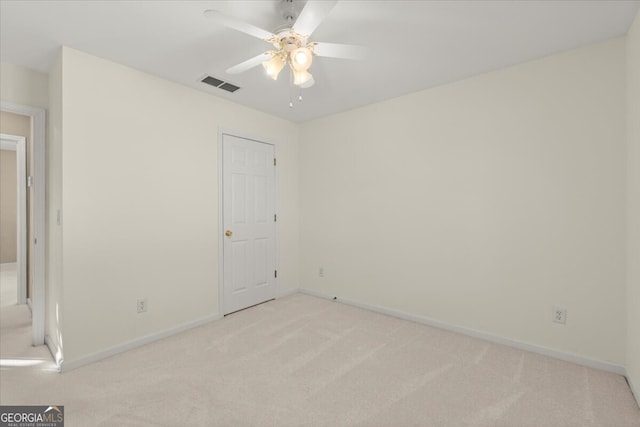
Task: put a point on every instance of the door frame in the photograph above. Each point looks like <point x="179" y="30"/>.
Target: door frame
<point x="221" y="133"/>
<point x="18" y="145"/>
<point x="38" y="233"/>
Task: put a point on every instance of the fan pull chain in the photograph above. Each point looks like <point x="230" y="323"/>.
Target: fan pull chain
<point x="290" y="89"/>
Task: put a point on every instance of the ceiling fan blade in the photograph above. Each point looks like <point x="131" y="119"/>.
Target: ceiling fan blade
<point x="312" y="15"/>
<point x="337" y="50"/>
<point x="237" y="24"/>
<point x="249" y="63"/>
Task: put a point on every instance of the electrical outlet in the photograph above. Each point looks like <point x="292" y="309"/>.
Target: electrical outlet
<point x="142" y="305"/>
<point x="321" y="272"/>
<point x="559" y="315"/>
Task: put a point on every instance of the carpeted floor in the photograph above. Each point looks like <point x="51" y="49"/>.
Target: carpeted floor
<point x="302" y="360"/>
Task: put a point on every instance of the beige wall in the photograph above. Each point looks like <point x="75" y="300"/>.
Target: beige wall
<point x="8" y="217"/>
<point x="20" y="85"/>
<point x="480" y="204"/>
<point x="138" y="192"/>
<point x="633" y="212"/>
<point x="15" y="124"/>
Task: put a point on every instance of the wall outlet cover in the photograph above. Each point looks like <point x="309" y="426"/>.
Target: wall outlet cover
<point x="559" y="315"/>
<point x="143" y="306"/>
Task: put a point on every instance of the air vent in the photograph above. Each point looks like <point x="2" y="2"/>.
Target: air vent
<point x="229" y="87"/>
<point x="220" y="84"/>
<point x="212" y="81"/>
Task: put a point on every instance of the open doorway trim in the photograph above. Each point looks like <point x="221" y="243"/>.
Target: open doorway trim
<point x="244" y="135"/>
<point x="38" y="234"/>
<point x="18" y="145"/>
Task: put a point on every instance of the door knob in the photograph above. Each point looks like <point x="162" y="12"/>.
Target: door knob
<point x="228" y="233"/>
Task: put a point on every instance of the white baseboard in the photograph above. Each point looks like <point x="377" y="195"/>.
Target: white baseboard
<point x="51" y="346"/>
<point x="581" y="360"/>
<point x="9" y="265"/>
<point x="138" y="342"/>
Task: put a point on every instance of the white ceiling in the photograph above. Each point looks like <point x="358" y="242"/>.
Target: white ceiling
<point x="412" y="45"/>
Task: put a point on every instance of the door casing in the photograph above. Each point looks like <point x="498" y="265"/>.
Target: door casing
<point x="221" y="133"/>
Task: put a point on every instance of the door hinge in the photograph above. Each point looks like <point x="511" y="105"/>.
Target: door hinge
<point x="275" y="273"/>
<point x="274" y="161"/>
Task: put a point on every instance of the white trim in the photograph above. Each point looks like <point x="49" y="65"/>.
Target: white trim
<point x="220" y="225"/>
<point x="276" y="231"/>
<point x="9" y="264"/>
<point x="545" y="351"/>
<point x="138" y="342"/>
<point x="6" y="145"/>
<point x="22" y="243"/>
<point x="221" y="133"/>
<point x="38" y="232"/>
<point x="18" y="144"/>
<point x="51" y="345"/>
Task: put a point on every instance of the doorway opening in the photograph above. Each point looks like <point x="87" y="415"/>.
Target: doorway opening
<point x="36" y="241"/>
<point x="13" y="213"/>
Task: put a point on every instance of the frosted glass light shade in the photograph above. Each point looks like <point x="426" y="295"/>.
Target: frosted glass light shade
<point x="301" y="59"/>
<point x="273" y="66"/>
<point x="301" y="77"/>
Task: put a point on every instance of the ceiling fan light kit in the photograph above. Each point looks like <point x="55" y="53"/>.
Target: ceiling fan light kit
<point x="294" y="51"/>
<point x="291" y="42"/>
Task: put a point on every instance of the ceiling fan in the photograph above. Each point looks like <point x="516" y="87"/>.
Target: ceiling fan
<point x="291" y="41"/>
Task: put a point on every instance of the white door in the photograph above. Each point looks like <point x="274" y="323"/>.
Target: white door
<point x="248" y="176"/>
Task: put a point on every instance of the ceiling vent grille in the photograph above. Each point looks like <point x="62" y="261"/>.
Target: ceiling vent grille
<point x="220" y="84"/>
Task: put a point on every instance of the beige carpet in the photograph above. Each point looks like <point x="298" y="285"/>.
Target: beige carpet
<point x="16" y="349"/>
<point x="302" y="360"/>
